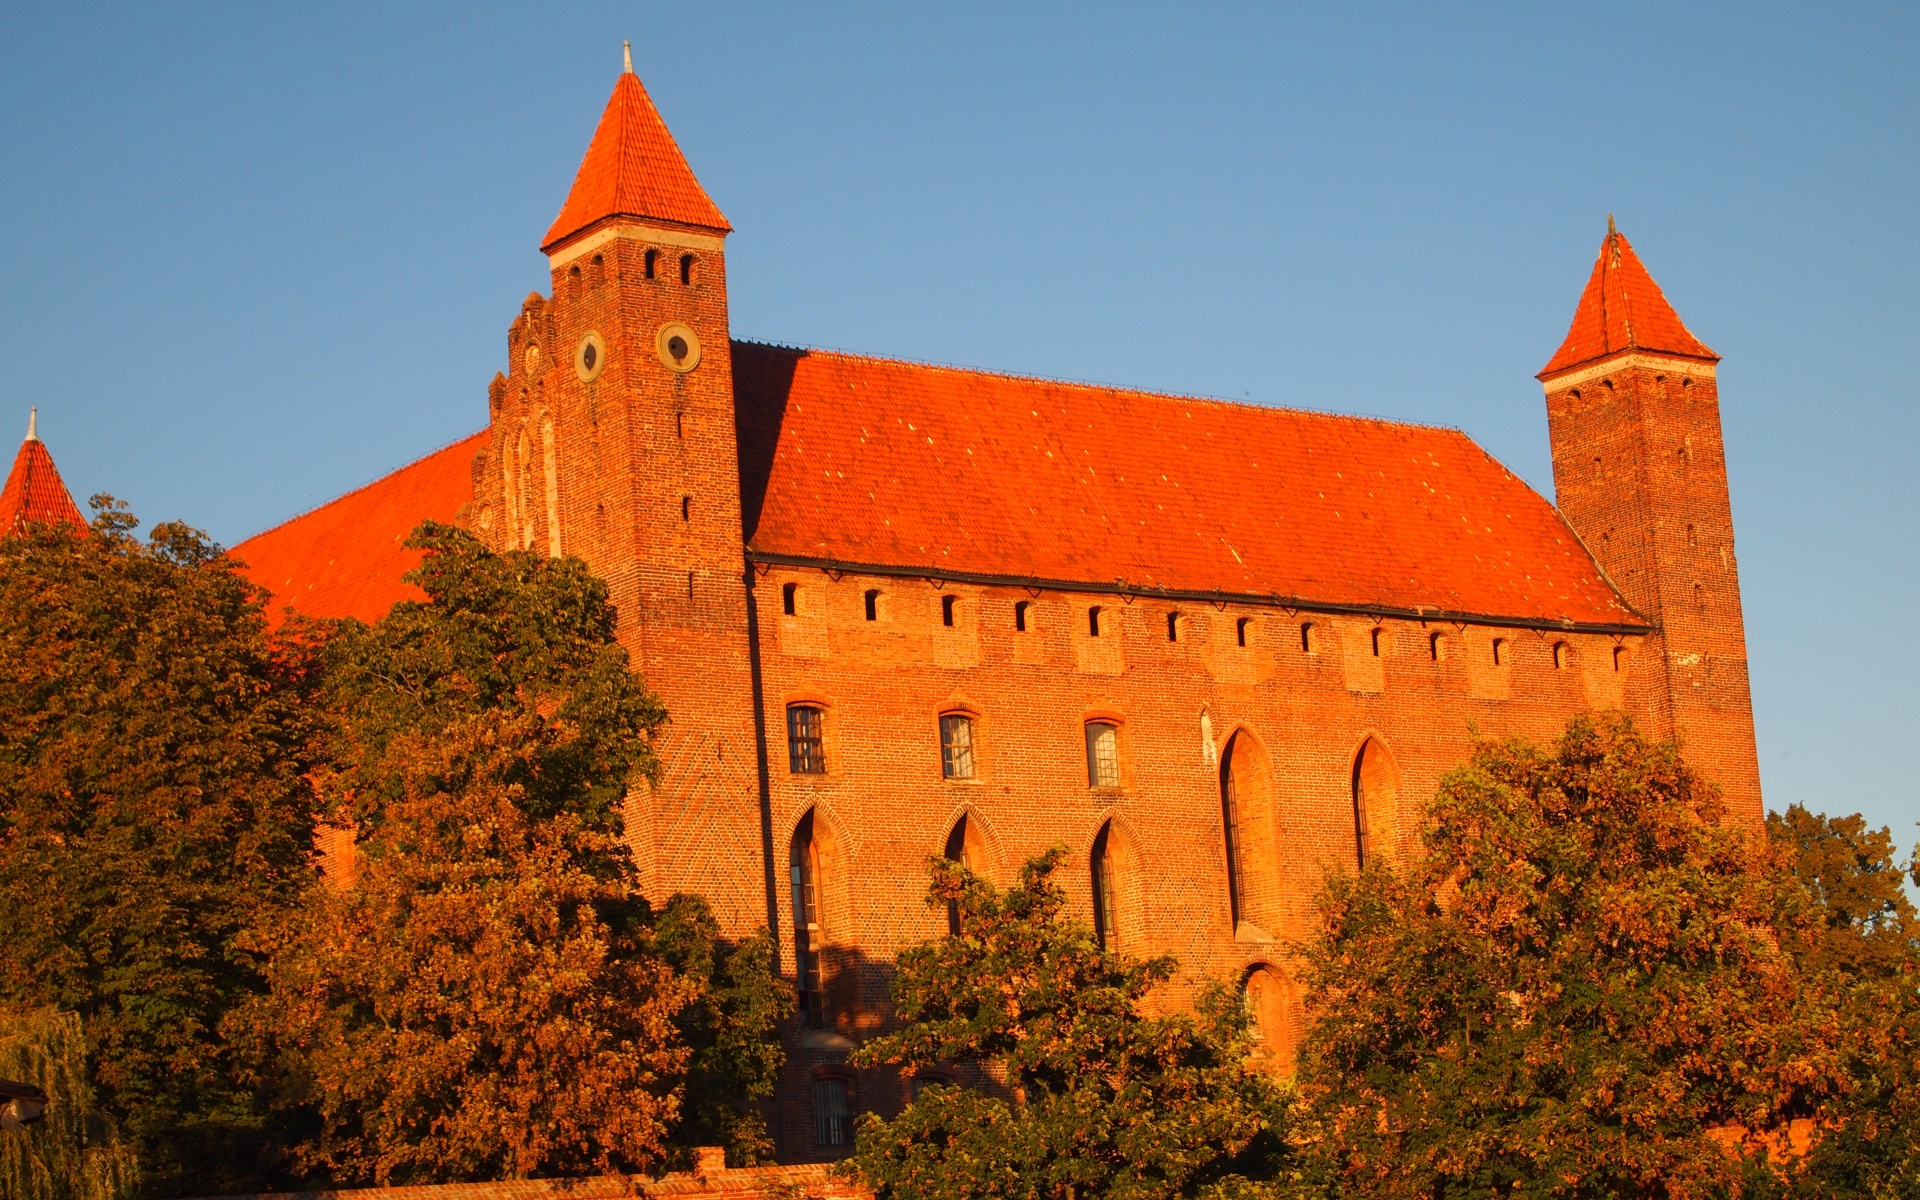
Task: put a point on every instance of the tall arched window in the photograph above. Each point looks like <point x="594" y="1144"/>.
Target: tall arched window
<point x="1376" y="791"/>
<point x="551" y="464"/>
<point x="1230" y="819"/>
<point x="966" y="847"/>
<point x="808" y="937"/>
<point x="1246" y="803"/>
<point x="1268" y="1002"/>
<point x="1106" y="913"/>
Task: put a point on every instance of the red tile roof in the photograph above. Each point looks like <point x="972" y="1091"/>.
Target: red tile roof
<point x="872" y="462"/>
<point x="345" y="558"/>
<point x="633" y="168"/>
<point x="34" y="494"/>
<point x="1623" y="309"/>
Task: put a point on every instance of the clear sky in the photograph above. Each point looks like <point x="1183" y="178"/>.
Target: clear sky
<point x="255" y="255"/>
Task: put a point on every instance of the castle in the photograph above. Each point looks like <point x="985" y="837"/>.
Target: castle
<point x="900" y="610"/>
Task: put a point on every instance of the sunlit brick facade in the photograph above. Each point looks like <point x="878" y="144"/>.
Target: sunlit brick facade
<point x="1214" y="650"/>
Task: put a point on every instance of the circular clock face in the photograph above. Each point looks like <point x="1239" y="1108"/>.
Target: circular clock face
<point x="678" y="348"/>
<point x="589" y="357"/>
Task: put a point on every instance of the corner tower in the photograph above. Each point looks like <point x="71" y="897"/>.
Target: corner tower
<point x="612" y="438"/>
<point x="1639" y="470"/>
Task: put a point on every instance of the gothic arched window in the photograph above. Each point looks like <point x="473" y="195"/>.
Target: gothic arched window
<point x="808" y="935"/>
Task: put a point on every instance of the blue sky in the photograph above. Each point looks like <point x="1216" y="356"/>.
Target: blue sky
<point x="255" y="255"/>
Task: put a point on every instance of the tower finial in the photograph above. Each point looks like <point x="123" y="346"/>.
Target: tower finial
<point x="1610" y="229"/>
<point x="33" y="422"/>
<point x="626" y="48"/>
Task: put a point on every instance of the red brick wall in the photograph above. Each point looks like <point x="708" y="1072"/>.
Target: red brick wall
<point x="1640" y="471"/>
<point x="645" y="487"/>
<point x="883" y="807"/>
<point x="648" y="493"/>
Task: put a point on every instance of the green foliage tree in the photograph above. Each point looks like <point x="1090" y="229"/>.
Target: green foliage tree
<point x="1863" y="951"/>
<point x="1582" y="988"/>
<point x="154" y="802"/>
<point x="75" y="1152"/>
<point x="1099" y="1098"/>
<point x="489" y="995"/>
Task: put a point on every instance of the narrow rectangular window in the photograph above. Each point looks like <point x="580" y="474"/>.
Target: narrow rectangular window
<point x="956" y="746"/>
<point x="946" y="610"/>
<point x="805" y="746"/>
<point x="1173" y="626"/>
<point x="873" y="604"/>
<point x="1240" y="629"/>
<point x="830" y="1112"/>
<point x="1103" y="754"/>
<point x="788" y="594"/>
<point x="1020" y="616"/>
<point x="1093" y="621"/>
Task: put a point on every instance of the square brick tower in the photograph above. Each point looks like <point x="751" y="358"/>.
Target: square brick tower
<point x="1633" y="409"/>
<point x="612" y="438"/>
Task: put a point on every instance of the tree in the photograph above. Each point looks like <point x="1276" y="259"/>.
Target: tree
<point x="1863" y="951"/>
<point x="489" y="994"/>
<point x="1580" y="989"/>
<point x="75" y="1152"/>
<point x="154" y="748"/>
<point x="1097" y="1098"/>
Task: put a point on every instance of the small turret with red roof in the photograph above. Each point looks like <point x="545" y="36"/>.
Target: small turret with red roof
<point x="34" y="494"/>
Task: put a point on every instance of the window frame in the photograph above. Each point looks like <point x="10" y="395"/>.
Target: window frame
<point x="952" y="752"/>
<point x="796" y="739"/>
<point x="1095" y="777"/>
<point x="832" y="1130"/>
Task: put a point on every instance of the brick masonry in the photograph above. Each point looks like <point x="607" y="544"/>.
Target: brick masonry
<point x="1335" y="721"/>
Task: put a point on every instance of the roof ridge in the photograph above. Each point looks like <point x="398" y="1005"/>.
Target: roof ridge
<point x="363" y="487"/>
<point x="1095" y="385"/>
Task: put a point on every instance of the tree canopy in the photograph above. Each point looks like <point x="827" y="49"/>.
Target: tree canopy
<point x="1582" y="987"/>
<point x="155" y="746"/>
<point x="489" y="994"/>
<point x="1092" y="1095"/>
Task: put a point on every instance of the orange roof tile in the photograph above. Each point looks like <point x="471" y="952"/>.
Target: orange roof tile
<point x="633" y="168"/>
<point x="1623" y="309"/>
<point x="34" y="494"/>
<point x="345" y="558"/>
<point x="872" y="462"/>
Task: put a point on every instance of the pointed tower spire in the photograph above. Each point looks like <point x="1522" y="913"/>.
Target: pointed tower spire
<point x="1623" y="309"/>
<point x="626" y="49"/>
<point x="33" y="494"/>
<point x="634" y="169"/>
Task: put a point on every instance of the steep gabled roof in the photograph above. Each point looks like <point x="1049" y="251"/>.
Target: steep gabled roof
<point x="863" y="461"/>
<point x="34" y="494"/>
<point x="1623" y="309"/>
<point x="633" y="168"/>
<point x="345" y="558"/>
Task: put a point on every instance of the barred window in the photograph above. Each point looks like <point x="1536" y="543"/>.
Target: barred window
<point x="956" y="746"/>
<point x="806" y="751"/>
<point x="831" y="1113"/>
<point x="1103" y="754"/>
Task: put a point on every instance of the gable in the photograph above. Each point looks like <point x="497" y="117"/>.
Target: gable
<point x="869" y="462"/>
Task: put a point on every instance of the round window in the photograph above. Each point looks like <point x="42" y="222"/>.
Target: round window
<point x="589" y="357"/>
<point x="679" y="349"/>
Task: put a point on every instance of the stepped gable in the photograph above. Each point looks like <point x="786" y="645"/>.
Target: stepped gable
<point x="870" y="462"/>
<point x="34" y="494"/>
<point x="634" y="169"/>
<point x="1623" y="309"/>
<point x="345" y="558"/>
